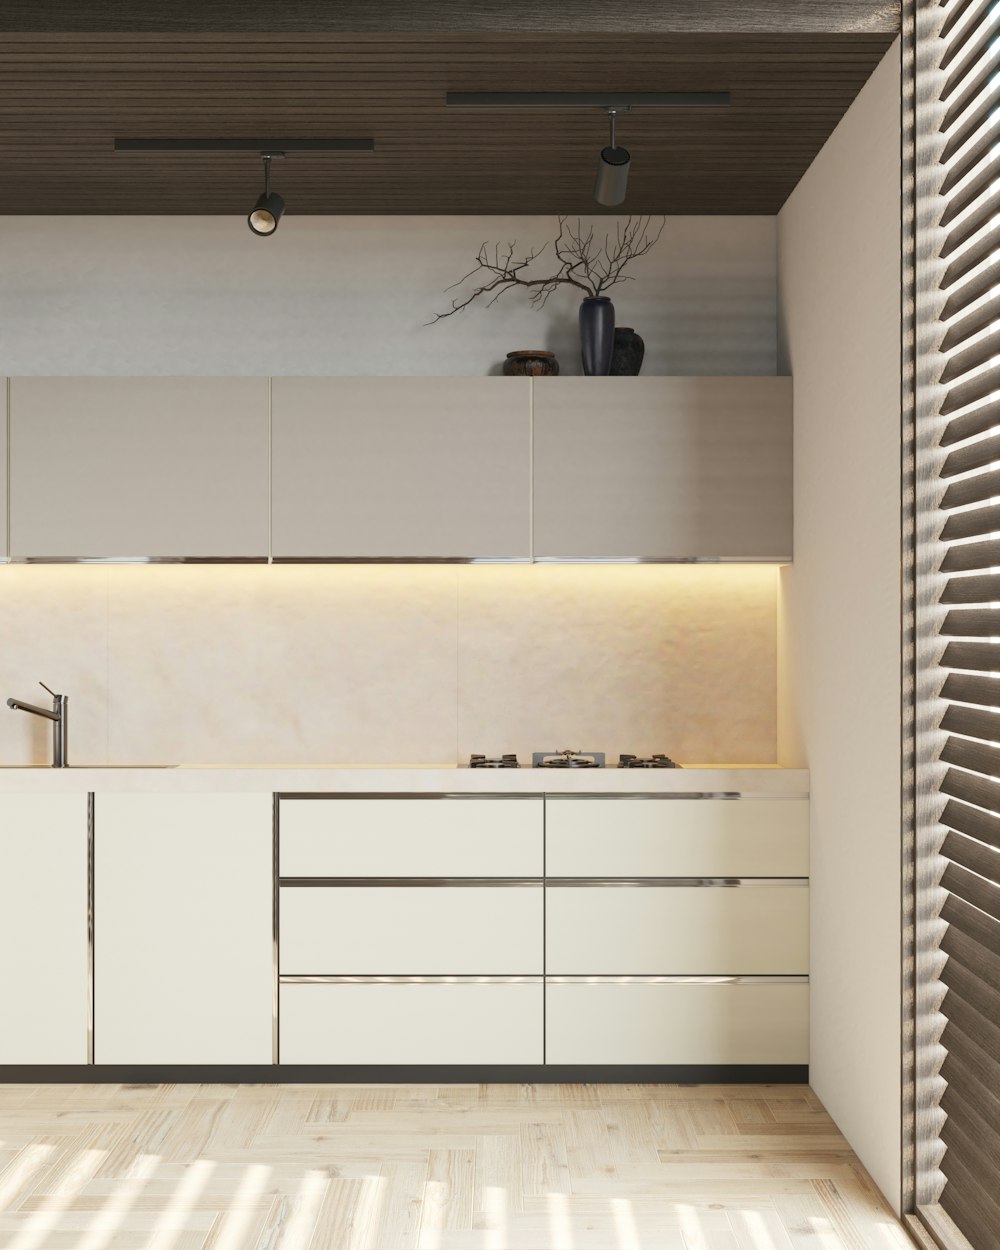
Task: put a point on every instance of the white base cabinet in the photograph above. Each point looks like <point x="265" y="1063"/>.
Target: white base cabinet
<point x="440" y="930"/>
<point x="183" y="946"/>
<point x="412" y="837"/>
<point x="692" y="930"/>
<point x="408" y="1023"/>
<point x="666" y="1023"/>
<point x="43" y="929"/>
<point x="663" y="836"/>
<point x="413" y="929"/>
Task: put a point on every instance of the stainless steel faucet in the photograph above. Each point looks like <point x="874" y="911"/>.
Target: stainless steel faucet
<point x="58" y="717"/>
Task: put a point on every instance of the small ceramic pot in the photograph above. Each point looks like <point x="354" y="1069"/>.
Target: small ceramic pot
<point x="531" y="364"/>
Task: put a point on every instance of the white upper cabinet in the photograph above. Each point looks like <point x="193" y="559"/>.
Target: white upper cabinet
<point x="132" y="467"/>
<point x="392" y="468"/>
<point x="663" y="468"/>
<point x="401" y="468"/>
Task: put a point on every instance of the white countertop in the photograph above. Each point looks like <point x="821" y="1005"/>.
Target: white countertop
<point x="761" y="781"/>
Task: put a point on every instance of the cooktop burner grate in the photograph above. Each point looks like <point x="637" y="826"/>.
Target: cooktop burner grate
<point x="651" y="761"/>
<point x="567" y="759"/>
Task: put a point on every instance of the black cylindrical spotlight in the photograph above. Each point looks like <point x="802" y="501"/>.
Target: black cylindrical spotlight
<point x="612" y="168"/>
<point x="266" y="213"/>
<point x="612" y="176"/>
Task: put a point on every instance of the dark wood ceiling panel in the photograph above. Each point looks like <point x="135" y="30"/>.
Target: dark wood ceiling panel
<point x="65" y="97"/>
<point x="448" y="16"/>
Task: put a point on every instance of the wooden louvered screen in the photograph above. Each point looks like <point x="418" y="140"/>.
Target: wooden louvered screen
<point x="958" y="227"/>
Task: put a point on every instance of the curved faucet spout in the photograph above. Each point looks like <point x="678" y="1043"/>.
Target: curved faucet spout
<point x="36" y="711"/>
<point x="57" y="715"/>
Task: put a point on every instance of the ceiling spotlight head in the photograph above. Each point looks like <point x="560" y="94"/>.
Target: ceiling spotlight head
<point x="266" y="213"/>
<point x="612" y="176"/>
<point x="612" y="169"/>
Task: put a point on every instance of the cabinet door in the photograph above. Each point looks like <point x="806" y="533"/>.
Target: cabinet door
<point x="663" y="468"/>
<point x="411" y="837"/>
<point x="133" y="467"/>
<point x="43" y="928"/>
<point x="412" y="1023"/>
<point x="671" y="837"/>
<point x="389" y="930"/>
<point x="183" y="929"/>
<point x="637" y="1022"/>
<point x="370" y="468"/>
<point x="668" y="930"/>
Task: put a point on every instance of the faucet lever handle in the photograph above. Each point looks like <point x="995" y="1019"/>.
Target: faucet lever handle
<point x="51" y="692"/>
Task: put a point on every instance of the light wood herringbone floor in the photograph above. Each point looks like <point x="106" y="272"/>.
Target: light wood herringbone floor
<point x="618" y="1167"/>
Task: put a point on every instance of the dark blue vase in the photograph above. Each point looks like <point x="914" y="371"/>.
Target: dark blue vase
<point x="597" y="335"/>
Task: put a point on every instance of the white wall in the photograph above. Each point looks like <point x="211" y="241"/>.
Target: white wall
<point x="839" y="292"/>
<point x="350" y="295"/>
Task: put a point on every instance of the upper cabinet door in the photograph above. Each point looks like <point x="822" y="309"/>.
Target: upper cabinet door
<point x="166" y="468"/>
<point x="401" y="468"/>
<point x="663" y="468"/>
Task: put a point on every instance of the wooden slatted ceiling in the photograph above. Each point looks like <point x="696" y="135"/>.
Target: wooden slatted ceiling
<point x="447" y="16"/>
<point x="64" y="97"/>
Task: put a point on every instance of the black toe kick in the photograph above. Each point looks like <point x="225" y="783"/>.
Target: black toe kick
<point x="416" y="1074"/>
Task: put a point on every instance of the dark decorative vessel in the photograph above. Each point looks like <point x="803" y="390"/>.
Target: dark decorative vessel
<point x="627" y="353"/>
<point x="531" y="364"/>
<point x="597" y="334"/>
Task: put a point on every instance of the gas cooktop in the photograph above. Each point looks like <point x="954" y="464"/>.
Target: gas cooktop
<point x="572" y="759"/>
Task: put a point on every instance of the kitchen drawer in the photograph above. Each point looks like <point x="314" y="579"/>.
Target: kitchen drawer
<point x="411" y="1023"/>
<point x="412" y="837"/>
<point x="667" y="837"/>
<point x="636" y="1022"/>
<point x="687" y="930"/>
<point x="389" y="930"/>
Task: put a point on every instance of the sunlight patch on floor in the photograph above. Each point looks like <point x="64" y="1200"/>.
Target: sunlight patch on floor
<point x="305" y="1210"/>
<point x="432" y="1210"/>
<point x="120" y="1201"/>
<point x="20" y="1172"/>
<point x="495" y="1208"/>
<point x="560" y="1225"/>
<point x="824" y="1230"/>
<point x="760" y="1237"/>
<point x="237" y="1220"/>
<point x="171" y="1223"/>
<point x="42" y="1222"/>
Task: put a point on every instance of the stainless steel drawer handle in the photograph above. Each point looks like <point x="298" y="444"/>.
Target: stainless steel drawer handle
<point x="410" y="980"/>
<point x="295" y="883"/>
<point x="679" y="980"/>
<point x="674" y="882"/>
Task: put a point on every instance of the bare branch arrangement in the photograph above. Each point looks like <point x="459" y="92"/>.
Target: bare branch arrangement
<point x="582" y="260"/>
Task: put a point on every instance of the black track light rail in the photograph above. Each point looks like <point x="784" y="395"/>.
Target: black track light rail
<point x="588" y="99"/>
<point x="259" y="146"/>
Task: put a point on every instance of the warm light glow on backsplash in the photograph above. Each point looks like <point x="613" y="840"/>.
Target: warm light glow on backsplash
<point x="391" y="664"/>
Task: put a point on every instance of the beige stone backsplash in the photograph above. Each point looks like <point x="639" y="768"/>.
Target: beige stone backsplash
<point x="390" y="665"/>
